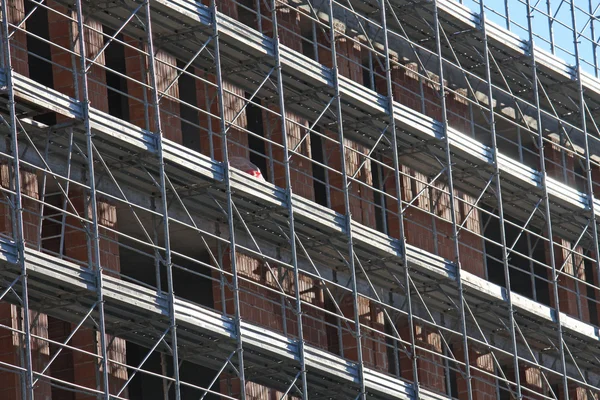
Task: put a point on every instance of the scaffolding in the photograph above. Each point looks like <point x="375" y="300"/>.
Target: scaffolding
<point x="427" y="227"/>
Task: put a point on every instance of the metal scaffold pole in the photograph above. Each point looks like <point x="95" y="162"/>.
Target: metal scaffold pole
<point x="411" y="241"/>
<point x="164" y="204"/>
<point x="450" y="184"/>
<point x="499" y="203"/>
<point x="401" y="227"/>
<point x="289" y="194"/>
<point x="547" y="213"/>
<point x="348" y="214"/>
<point x="95" y="231"/>
<point x="18" y="229"/>
<point x="229" y="206"/>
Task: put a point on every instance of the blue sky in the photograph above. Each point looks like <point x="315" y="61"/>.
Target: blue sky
<point x="560" y="21"/>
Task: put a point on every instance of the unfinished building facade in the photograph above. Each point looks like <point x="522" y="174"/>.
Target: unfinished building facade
<point x="426" y="227"/>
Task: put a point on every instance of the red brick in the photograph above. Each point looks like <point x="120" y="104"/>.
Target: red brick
<point x="11" y="315"/>
<point x="84" y="366"/>
<point x="64" y="33"/>
<point x="300" y="167"/>
<point x="264" y="307"/>
<point x="18" y="49"/>
<point x="570" y="292"/>
<point x="431" y="371"/>
<point x="483" y="385"/>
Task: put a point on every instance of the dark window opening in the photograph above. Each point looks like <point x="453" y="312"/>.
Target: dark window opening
<point x="378" y="198"/>
<point x="556" y="389"/>
<point x="391" y="349"/>
<point x="368" y="79"/>
<point x="62" y="366"/>
<point x="246" y="10"/>
<point x="520" y="267"/>
<point x="504" y="392"/>
<point x="39" y="53"/>
<point x="590" y="292"/>
<point x="190" y="121"/>
<point x="145" y="386"/>
<point x="319" y="172"/>
<point x="415" y="191"/>
<point x="118" y="104"/>
<point x="191" y="281"/>
<point x="256" y="143"/>
<point x="452" y="374"/>
<point x="542" y="287"/>
<point x="308" y="46"/>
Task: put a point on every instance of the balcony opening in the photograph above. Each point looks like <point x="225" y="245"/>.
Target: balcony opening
<point x="40" y="69"/>
<point x="62" y="366"/>
<point x="145" y="386"/>
<point x="391" y="349"/>
<point x="118" y="103"/>
<point x="526" y="276"/>
<point x="190" y="122"/>
<point x="504" y="390"/>
<point x="39" y="53"/>
<point x="246" y="10"/>
<point x="256" y="144"/>
<point x="367" y="67"/>
<point x="308" y="41"/>
<point x="319" y="172"/>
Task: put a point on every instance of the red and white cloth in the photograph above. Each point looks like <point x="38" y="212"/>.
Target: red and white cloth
<point x="245" y="165"/>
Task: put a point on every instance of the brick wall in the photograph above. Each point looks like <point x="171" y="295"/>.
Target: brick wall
<point x="359" y="190"/>
<point x="230" y="386"/>
<point x="169" y="109"/>
<point x="300" y="168"/>
<point x="137" y="66"/>
<point x="482" y="384"/>
<point x="407" y="90"/>
<point x="560" y="165"/>
<point x="64" y="33"/>
<point x="570" y="292"/>
<point x="264" y="307"/>
<point x="19" y="58"/>
<point x="82" y="368"/>
<point x="11" y="315"/>
<point x="430" y="366"/>
<point x="531" y="378"/>
<point x="374" y="349"/>
<point x="435" y="234"/>
<point x="423" y="231"/>
<point x="288" y="20"/>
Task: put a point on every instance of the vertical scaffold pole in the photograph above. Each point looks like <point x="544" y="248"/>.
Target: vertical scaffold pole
<point x="351" y="255"/>
<point x="18" y="234"/>
<point x="586" y="135"/>
<point x="229" y="206"/>
<point x="499" y="203"/>
<point x="95" y="239"/>
<point x="163" y="198"/>
<point x="547" y="214"/>
<point x="457" y="263"/>
<point x="290" y="206"/>
<point x="396" y="161"/>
